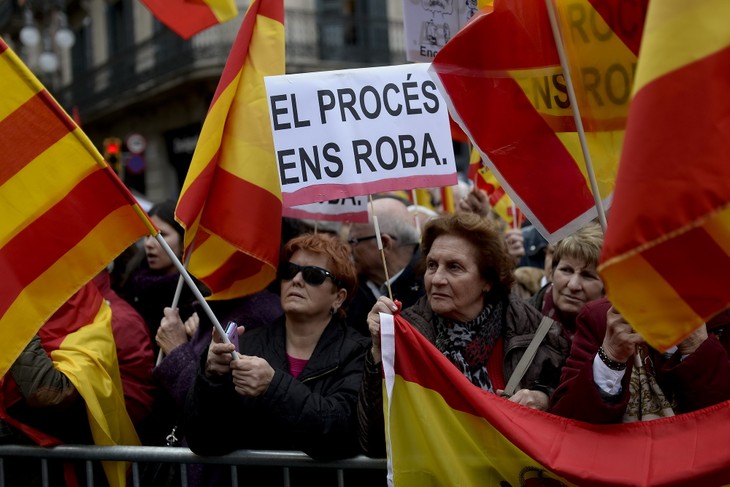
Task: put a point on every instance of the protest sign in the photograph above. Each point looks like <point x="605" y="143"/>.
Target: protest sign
<point x="430" y="25"/>
<point x="354" y="132"/>
<point x="345" y="209"/>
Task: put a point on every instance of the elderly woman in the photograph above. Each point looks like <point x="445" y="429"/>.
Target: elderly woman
<point x="612" y="376"/>
<point x="295" y="383"/>
<point x="470" y="315"/>
<point x="575" y="279"/>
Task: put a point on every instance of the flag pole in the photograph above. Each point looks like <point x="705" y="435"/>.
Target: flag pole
<point x="576" y="113"/>
<point x="198" y="295"/>
<point x="176" y="298"/>
<point x="380" y="247"/>
<point x="416" y="218"/>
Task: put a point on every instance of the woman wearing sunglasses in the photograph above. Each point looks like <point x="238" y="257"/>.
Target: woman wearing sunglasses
<point x="295" y="384"/>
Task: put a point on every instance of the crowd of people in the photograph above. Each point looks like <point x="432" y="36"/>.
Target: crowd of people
<point x="307" y="372"/>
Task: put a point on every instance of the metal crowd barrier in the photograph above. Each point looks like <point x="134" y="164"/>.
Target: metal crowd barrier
<point x="181" y="456"/>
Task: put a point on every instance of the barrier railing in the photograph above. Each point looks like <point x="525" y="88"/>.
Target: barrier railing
<point x="181" y="456"/>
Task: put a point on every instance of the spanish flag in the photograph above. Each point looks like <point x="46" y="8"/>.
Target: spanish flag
<point x="443" y="430"/>
<point x="666" y="256"/>
<point x="510" y="97"/>
<point x="65" y="214"/>
<point x="79" y="340"/>
<point x="188" y="17"/>
<point x="231" y="205"/>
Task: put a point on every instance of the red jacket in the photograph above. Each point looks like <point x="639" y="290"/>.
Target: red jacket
<point x="700" y="380"/>
<point x="134" y="352"/>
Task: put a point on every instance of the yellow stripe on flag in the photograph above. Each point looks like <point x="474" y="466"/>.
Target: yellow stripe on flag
<point x="89" y="251"/>
<point x="88" y="357"/>
<point x="476" y="454"/>
<point x="677" y="30"/>
<point x="50" y="182"/>
<point x="222" y="9"/>
<point x="644" y="296"/>
<point x="250" y="109"/>
<point x="21" y="92"/>
<point x="234" y="166"/>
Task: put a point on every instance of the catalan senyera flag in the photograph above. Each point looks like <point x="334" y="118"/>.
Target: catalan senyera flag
<point x="443" y="430"/>
<point x="499" y="200"/>
<point x="231" y="205"/>
<point x="65" y="214"/>
<point x="666" y="255"/>
<point x="510" y="97"/>
<point x="188" y="17"/>
<point x="79" y="340"/>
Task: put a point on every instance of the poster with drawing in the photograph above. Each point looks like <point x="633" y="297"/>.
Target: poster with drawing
<point x="429" y="24"/>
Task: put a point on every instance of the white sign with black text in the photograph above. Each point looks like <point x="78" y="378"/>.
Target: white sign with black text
<point x="355" y="132"/>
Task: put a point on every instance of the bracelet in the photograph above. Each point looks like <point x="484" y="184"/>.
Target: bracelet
<point x="611" y="364"/>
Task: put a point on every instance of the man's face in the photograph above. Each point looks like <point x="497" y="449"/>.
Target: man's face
<point x="365" y="250"/>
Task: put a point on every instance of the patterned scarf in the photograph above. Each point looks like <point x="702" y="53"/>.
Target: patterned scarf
<point x="469" y="345"/>
<point x="646" y="399"/>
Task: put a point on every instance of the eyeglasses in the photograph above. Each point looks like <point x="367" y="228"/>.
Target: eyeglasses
<point x="354" y="241"/>
<point x="312" y="275"/>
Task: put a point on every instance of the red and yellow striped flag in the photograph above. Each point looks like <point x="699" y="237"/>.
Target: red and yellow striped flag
<point x="230" y="205"/>
<point x="510" y="96"/>
<point x="65" y="214"/>
<point x="79" y="340"/>
<point x="666" y="256"/>
<point x="443" y="430"/>
<point x="499" y="200"/>
<point x="188" y="17"/>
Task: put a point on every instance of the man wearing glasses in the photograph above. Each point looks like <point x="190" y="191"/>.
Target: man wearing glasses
<point x="400" y="247"/>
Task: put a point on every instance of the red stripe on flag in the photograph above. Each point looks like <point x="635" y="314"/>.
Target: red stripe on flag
<point x="496" y="195"/>
<point x="193" y="199"/>
<point x="3" y="46"/>
<point x="238" y="267"/>
<point x="674" y="166"/>
<point x="500" y="118"/>
<point x="29" y="131"/>
<point x="239" y="50"/>
<point x="691" y="278"/>
<point x="526" y="134"/>
<point x="235" y="201"/>
<point x="78" y="311"/>
<point x="183" y="17"/>
<point x="648" y="450"/>
<point x="626" y="19"/>
<point x="272" y="9"/>
<point x="47" y="238"/>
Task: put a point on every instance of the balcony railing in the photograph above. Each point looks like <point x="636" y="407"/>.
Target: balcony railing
<point x="164" y="61"/>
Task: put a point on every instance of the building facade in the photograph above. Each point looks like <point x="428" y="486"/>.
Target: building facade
<point x="127" y="76"/>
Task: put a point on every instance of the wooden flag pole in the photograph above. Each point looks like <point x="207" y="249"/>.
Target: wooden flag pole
<point x="380" y="247"/>
<point x="416" y="218"/>
<point x="198" y="295"/>
<point x="576" y="113"/>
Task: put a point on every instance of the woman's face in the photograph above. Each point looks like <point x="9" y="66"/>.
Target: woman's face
<point x="310" y="300"/>
<point x="157" y="259"/>
<point x="454" y="285"/>
<point x="574" y="284"/>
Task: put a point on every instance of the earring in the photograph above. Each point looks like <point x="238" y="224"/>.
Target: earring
<point x="333" y="310"/>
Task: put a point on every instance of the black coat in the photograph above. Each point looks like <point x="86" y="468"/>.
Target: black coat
<point x="314" y="413"/>
<point x="407" y="289"/>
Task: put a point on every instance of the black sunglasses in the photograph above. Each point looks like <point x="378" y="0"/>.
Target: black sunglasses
<point x="312" y="275"/>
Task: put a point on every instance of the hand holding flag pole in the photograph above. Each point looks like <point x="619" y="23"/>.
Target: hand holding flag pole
<point x="198" y="295"/>
<point x="176" y="298"/>
<point x="576" y="113"/>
